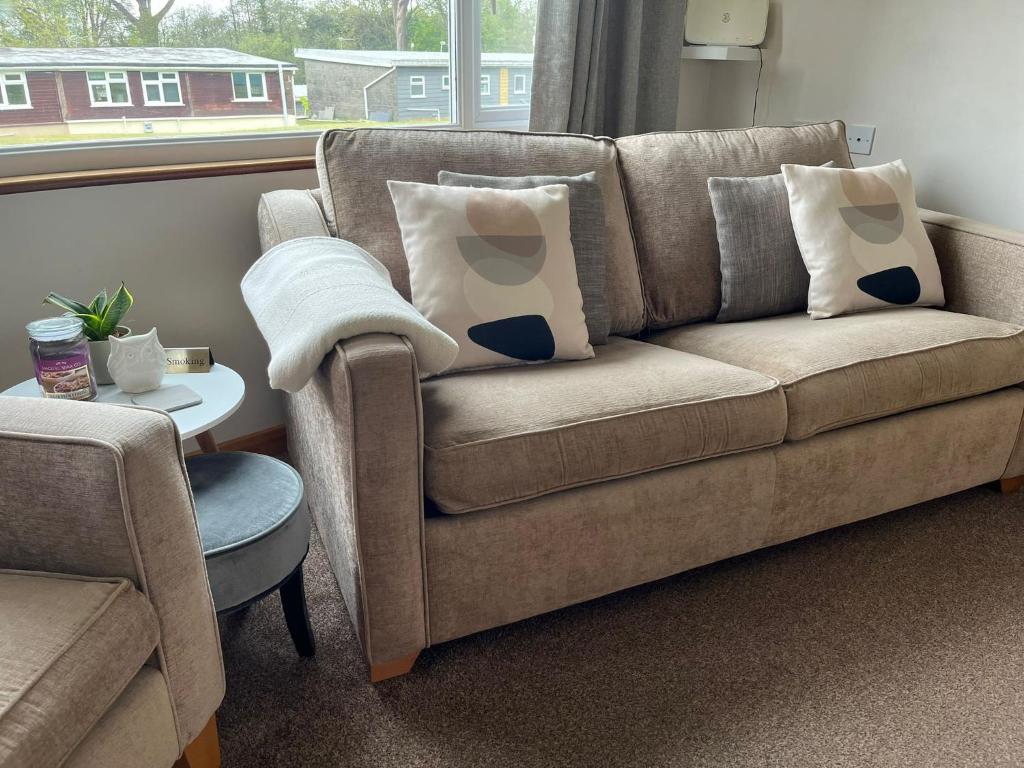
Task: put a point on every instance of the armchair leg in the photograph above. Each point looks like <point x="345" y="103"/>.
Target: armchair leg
<point x="394" y="668"/>
<point x="1011" y="484"/>
<point x="204" y="751"/>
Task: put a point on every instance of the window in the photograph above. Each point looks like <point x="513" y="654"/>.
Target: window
<point x="501" y="40"/>
<point x="462" y="62"/>
<point x="14" y="91"/>
<point x="108" y="89"/>
<point x="249" y="86"/>
<point x="161" y="88"/>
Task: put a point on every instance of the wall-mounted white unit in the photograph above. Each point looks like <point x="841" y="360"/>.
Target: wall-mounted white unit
<point x="726" y="22"/>
<point x="720" y="53"/>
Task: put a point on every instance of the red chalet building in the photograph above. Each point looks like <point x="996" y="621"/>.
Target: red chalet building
<point x="60" y="91"/>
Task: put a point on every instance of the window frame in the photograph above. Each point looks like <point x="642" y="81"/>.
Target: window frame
<point x="5" y="103"/>
<point x="446" y="82"/>
<point x="106" y="83"/>
<point x="485" y="80"/>
<point x="248" y="86"/>
<point x="421" y="81"/>
<point x="516" y="79"/>
<point x="160" y="82"/>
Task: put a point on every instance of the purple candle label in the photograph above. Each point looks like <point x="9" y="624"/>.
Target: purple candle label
<point x="65" y="378"/>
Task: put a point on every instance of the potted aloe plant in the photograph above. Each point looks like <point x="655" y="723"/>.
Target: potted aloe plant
<point x="101" y="319"/>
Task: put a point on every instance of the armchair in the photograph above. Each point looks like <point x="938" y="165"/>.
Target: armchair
<point x="110" y="654"/>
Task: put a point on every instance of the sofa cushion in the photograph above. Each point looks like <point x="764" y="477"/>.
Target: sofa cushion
<point x="864" y="366"/>
<point x="68" y="647"/>
<point x="354" y="167"/>
<point x="666" y="177"/>
<point x="497" y="436"/>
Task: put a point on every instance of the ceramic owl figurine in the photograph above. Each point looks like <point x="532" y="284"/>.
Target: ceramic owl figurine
<point x="137" y="363"/>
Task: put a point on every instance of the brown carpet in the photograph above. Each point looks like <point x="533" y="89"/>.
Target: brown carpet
<point x="898" y="641"/>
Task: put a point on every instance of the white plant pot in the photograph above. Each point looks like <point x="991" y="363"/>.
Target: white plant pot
<point x="99" y="353"/>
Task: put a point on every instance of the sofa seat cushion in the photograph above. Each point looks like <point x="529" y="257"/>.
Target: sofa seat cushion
<point x="68" y="647"/>
<point x="508" y="434"/>
<point x="860" y="367"/>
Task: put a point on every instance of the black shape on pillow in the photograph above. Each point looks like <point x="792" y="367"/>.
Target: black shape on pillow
<point x="896" y="286"/>
<point x="527" y="337"/>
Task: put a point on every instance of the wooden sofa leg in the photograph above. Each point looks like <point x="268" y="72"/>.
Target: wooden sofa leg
<point x="204" y="751"/>
<point x="395" y="668"/>
<point x="1011" y="484"/>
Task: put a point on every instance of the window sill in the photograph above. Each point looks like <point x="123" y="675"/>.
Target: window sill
<point x="12" y="185"/>
<point x="164" y="104"/>
<point x="131" y="153"/>
<point x="250" y="101"/>
<point x="17" y="108"/>
<point x="105" y="105"/>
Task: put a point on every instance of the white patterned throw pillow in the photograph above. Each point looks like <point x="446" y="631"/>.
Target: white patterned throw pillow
<point x="862" y="239"/>
<point x="495" y="270"/>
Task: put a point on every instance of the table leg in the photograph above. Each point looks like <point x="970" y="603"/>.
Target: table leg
<point x="207" y="443"/>
<point x="296" y="614"/>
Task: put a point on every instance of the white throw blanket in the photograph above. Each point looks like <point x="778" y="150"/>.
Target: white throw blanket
<point x="307" y="294"/>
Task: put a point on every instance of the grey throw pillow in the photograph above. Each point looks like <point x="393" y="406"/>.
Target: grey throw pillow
<point x="586" y="227"/>
<point x="763" y="273"/>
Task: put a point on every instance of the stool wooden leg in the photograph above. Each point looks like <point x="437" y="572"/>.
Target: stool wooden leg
<point x="394" y="668"/>
<point x="1011" y="484"/>
<point x="204" y="751"/>
<point x="296" y="613"/>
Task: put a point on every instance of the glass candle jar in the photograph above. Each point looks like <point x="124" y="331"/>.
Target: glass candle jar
<point x="61" y="356"/>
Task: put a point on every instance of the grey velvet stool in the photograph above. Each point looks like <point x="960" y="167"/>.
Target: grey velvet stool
<point x="255" y="532"/>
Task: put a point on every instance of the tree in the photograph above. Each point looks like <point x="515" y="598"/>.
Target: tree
<point x="400" y="12"/>
<point x="60" y="24"/>
<point x="145" y="23"/>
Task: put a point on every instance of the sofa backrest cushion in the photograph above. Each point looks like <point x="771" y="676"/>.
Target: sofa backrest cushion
<point x="666" y="179"/>
<point x="355" y="165"/>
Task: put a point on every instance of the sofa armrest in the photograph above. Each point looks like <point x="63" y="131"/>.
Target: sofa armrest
<point x="100" y="490"/>
<point x="355" y="431"/>
<point x="982" y="266"/>
<point x="286" y="214"/>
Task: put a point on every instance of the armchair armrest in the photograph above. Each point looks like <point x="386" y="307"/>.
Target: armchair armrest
<point x="286" y="214"/>
<point x="982" y="266"/>
<point x="355" y="431"/>
<point x="100" y="490"/>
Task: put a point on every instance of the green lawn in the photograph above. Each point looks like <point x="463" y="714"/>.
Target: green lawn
<point x="303" y="125"/>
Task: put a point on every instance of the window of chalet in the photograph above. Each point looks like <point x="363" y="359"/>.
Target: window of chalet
<point x="14" y="91"/>
<point x="249" y="86"/>
<point x="446" y="82"/>
<point x="161" y="88"/>
<point x="519" y="85"/>
<point x="417" y="87"/>
<point x="108" y="89"/>
<point x="485" y="85"/>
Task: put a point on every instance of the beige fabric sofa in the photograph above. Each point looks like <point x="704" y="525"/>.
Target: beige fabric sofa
<point x="109" y="649"/>
<point x="481" y="498"/>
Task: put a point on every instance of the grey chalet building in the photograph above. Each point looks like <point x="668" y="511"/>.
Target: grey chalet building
<point x="393" y="86"/>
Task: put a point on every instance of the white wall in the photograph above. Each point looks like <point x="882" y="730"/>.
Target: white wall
<point x="180" y="246"/>
<point x="943" y="81"/>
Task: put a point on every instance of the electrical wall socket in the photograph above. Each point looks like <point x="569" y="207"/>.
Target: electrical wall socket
<point x="860" y="138"/>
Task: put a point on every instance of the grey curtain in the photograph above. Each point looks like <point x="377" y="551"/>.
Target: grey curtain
<point x="607" y="67"/>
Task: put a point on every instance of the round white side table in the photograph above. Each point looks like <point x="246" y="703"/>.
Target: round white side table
<point x="222" y="391"/>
